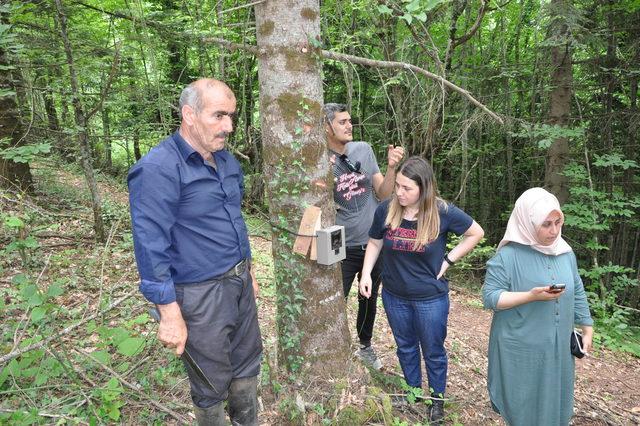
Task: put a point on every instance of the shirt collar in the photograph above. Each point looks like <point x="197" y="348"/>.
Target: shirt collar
<point x="184" y="148"/>
<point x="187" y="150"/>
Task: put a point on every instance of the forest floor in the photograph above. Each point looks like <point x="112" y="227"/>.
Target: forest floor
<point x="607" y="383"/>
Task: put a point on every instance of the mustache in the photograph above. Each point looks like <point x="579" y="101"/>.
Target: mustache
<point x="222" y="134"/>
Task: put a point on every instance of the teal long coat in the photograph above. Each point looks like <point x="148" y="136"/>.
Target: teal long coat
<point x="531" y="369"/>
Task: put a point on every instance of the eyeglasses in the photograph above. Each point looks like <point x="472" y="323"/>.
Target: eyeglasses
<point x="352" y="167"/>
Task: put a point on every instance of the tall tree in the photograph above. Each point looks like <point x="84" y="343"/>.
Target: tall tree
<point x="12" y="174"/>
<point x="560" y="97"/>
<point x="82" y="121"/>
<point x="312" y="323"/>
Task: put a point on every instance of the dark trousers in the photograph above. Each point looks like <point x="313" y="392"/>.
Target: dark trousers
<point x="223" y="334"/>
<point x="352" y="267"/>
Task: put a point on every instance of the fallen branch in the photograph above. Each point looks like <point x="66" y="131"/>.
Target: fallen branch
<point x="43" y="414"/>
<point x="134" y="388"/>
<point x="13" y="354"/>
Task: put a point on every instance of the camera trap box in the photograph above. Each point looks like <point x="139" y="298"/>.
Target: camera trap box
<point x="331" y="245"/>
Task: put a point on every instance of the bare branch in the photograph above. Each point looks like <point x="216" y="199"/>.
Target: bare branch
<point x="243" y="6"/>
<point x="474" y="28"/>
<point x="406" y="67"/>
<point x="107" y="85"/>
<point x="342" y="57"/>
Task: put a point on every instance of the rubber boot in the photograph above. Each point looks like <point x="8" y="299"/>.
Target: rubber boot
<point x="242" y="403"/>
<point x="211" y="416"/>
<point x="436" y="411"/>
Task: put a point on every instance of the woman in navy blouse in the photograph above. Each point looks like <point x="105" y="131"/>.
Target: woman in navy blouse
<point x="412" y="229"/>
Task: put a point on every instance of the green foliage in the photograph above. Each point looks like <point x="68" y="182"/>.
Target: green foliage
<point x="23" y="153"/>
<point x="545" y="134"/>
<point x="412" y="9"/>
<point x="594" y="211"/>
<point x="22" y="243"/>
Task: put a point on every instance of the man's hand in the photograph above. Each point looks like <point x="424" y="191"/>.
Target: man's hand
<point x="256" y="288"/>
<point x="394" y="155"/>
<point x="172" y="331"/>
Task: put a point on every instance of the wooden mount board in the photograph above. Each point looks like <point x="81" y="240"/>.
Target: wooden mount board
<point x="306" y="230"/>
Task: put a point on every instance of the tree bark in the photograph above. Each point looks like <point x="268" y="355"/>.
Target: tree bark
<point x="312" y="326"/>
<point x="560" y="101"/>
<point x="12" y="175"/>
<point x="106" y="131"/>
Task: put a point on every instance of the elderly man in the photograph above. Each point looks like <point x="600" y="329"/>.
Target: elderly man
<point x="358" y="187"/>
<point x="193" y="255"/>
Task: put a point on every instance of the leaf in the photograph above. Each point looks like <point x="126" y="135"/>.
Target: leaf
<point x="131" y="346"/>
<point x="28" y="290"/>
<point x="35" y="300"/>
<point x="432" y="4"/>
<point x="13" y="222"/>
<point x="384" y="9"/>
<point x="413" y="6"/>
<point x="4" y="374"/>
<point x="55" y="289"/>
<point x="19" y="279"/>
<point x="38" y="313"/>
<point x="102" y="356"/>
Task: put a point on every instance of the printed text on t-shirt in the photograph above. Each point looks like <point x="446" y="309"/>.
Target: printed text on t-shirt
<point x="347" y="185"/>
<point x="403" y="239"/>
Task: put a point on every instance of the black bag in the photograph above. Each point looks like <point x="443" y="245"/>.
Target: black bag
<point x="576" y="344"/>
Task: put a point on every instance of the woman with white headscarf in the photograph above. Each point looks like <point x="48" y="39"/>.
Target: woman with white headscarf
<point x="531" y="369"/>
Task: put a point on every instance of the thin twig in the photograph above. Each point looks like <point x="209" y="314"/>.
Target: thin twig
<point x="13" y="354"/>
<point x="135" y="388"/>
<point x="243" y="6"/>
<point x="18" y="338"/>
<point x="43" y="414"/>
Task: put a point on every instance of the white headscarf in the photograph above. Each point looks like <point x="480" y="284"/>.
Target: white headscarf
<point x="530" y="211"/>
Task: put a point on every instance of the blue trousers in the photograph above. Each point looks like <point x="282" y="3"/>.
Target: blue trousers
<point x="420" y="325"/>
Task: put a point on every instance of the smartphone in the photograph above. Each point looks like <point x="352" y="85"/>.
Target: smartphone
<point x="556" y="288"/>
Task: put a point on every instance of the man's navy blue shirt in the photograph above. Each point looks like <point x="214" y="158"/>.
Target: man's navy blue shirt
<point x="186" y="217"/>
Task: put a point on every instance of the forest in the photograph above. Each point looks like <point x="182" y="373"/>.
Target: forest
<point x="498" y="95"/>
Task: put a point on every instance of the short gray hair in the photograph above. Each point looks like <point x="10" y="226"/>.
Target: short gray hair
<point x="331" y="109"/>
<point x="190" y="96"/>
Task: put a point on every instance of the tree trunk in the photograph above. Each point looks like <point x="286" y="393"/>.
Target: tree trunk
<point x="136" y="144"/>
<point x="312" y="326"/>
<point x="12" y="175"/>
<point x="560" y="108"/>
<point x="81" y="123"/>
<point x="106" y="140"/>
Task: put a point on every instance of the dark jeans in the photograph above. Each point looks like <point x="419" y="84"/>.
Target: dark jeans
<point x="223" y="334"/>
<point x="420" y="324"/>
<point x="352" y="266"/>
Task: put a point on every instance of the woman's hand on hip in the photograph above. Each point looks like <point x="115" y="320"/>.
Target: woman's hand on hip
<point x="443" y="269"/>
